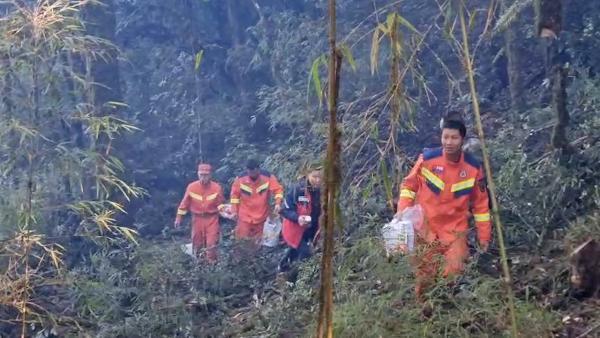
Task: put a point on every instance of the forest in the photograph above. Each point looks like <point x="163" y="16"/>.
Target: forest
<point x="108" y="106"/>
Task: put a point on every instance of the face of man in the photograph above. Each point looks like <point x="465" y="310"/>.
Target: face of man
<point x="314" y="178"/>
<point x="203" y="177"/>
<point x="451" y="141"/>
<point x="254" y="173"/>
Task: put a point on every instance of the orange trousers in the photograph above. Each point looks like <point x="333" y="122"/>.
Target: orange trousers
<point x="205" y="235"/>
<point x="247" y="230"/>
<point x="446" y="258"/>
<point x="249" y="236"/>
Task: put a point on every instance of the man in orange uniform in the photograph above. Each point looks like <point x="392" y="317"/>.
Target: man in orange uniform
<point x="250" y="195"/>
<point x="446" y="182"/>
<point x="203" y="198"/>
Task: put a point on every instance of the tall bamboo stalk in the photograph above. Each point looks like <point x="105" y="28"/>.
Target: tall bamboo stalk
<point x="468" y="63"/>
<point x="24" y="307"/>
<point x="325" y="325"/>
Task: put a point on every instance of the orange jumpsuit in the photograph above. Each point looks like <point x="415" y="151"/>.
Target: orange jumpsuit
<point x="250" y="199"/>
<point x="446" y="190"/>
<point x="203" y="201"/>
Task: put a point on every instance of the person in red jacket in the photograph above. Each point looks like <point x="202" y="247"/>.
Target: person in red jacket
<point x="447" y="183"/>
<point x="301" y="212"/>
<point x="203" y="199"/>
<point x="250" y="196"/>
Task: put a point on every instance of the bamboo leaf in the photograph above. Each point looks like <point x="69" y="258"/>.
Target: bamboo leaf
<point x="387" y="184"/>
<point x="198" y="59"/>
<point x="116" y="104"/>
<point x="407" y="24"/>
<point x="129" y="234"/>
<point x="389" y="21"/>
<point x="316" y="80"/>
<point x="56" y="257"/>
<point x="347" y="53"/>
<point x="472" y="18"/>
<point x="375" y="51"/>
<point x="368" y="190"/>
<point x="375" y="131"/>
<point x="398" y="48"/>
<point x="384" y="29"/>
<point x="117" y="206"/>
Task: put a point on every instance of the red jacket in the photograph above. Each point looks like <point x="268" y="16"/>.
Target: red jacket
<point x="201" y="199"/>
<point x="300" y="201"/>
<point x="250" y="198"/>
<point x="446" y="191"/>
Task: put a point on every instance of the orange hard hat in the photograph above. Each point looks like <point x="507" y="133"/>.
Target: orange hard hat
<point x="204" y="168"/>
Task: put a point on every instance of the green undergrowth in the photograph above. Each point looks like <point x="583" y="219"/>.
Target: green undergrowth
<point x="156" y="290"/>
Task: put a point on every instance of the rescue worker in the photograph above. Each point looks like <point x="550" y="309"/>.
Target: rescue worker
<point x="250" y="195"/>
<point x="301" y="212"/>
<point x="203" y="198"/>
<point x="446" y="182"/>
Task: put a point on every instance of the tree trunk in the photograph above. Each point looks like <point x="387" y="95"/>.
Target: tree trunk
<point x="198" y="99"/>
<point x="332" y="174"/>
<point x="101" y="22"/>
<point x="559" y="105"/>
<point x="515" y="82"/>
<point x="549" y="23"/>
<point x="548" y="17"/>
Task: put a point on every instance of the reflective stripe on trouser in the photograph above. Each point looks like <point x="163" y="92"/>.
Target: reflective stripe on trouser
<point x="205" y="235"/>
<point x="435" y="259"/>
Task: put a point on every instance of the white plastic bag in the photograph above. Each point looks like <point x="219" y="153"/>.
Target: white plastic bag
<point x="188" y="249"/>
<point x="271" y="231"/>
<point x="413" y="215"/>
<point x="398" y="237"/>
<point x="399" y="233"/>
<point x="227" y="212"/>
